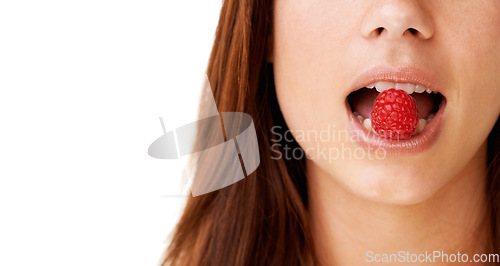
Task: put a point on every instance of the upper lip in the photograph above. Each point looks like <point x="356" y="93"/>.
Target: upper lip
<point x="409" y="74"/>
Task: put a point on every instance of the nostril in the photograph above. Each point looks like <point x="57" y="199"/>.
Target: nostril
<point x="379" y="30"/>
<point x="413" y="31"/>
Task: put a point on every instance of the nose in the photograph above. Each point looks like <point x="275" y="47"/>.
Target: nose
<point x="397" y="18"/>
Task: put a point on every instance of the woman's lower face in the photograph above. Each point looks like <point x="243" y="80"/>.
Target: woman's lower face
<point x="336" y="63"/>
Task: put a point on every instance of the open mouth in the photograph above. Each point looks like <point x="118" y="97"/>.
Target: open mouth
<point x="428" y="104"/>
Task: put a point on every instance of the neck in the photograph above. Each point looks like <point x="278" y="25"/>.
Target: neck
<point x="349" y="230"/>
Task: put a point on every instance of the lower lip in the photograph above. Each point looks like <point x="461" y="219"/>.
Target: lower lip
<point x="416" y="144"/>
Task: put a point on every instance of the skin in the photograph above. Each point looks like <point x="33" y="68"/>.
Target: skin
<point x="431" y="200"/>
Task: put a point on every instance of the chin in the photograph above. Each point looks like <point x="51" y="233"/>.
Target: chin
<point x="398" y="185"/>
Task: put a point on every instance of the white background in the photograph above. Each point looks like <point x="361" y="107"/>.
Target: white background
<point x="82" y="84"/>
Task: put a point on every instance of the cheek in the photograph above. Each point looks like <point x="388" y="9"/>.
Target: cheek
<point x="472" y="41"/>
<point x="472" y="55"/>
<point x="476" y="62"/>
<point x="308" y="67"/>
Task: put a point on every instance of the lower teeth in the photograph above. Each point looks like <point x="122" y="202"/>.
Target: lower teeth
<point x="367" y="123"/>
<point x="421" y="126"/>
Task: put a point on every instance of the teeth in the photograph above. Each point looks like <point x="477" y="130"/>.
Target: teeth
<point x="407" y="87"/>
<point x="360" y="117"/>
<point x="430" y="117"/>
<point x="384" y="85"/>
<point x="420" y="88"/>
<point x="368" y="124"/>
<point x="421" y="125"/>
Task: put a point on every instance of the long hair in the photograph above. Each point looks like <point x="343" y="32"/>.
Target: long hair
<point x="262" y="219"/>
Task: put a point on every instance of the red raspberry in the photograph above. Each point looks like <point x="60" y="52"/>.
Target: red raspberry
<point x="394" y="114"/>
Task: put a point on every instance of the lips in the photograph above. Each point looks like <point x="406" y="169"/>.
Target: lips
<point x="418" y="84"/>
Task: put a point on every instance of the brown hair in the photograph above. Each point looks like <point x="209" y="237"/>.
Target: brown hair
<point x="262" y="219"/>
<point x="493" y="186"/>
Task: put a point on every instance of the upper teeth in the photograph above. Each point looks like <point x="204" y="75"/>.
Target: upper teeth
<point x="407" y="87"/>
